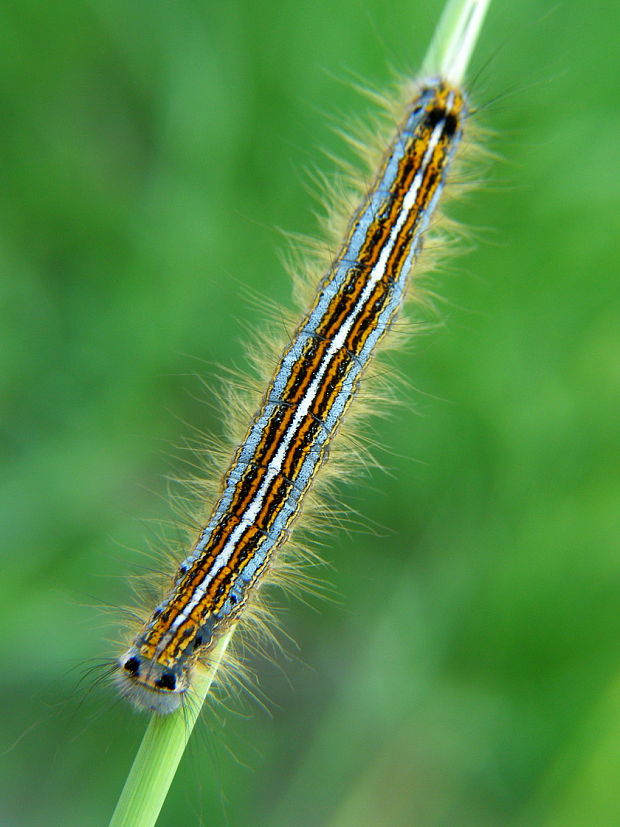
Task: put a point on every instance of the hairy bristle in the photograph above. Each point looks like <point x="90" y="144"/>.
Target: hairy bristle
<point x="310" y="383"/>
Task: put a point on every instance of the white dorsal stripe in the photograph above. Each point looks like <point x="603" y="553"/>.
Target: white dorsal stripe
<point x="275" y="465"/>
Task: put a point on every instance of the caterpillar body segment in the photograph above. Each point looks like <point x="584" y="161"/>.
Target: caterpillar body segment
<point x="317" y="377"/>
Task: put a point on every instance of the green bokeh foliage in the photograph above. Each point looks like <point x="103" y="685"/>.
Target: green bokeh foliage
<point x="468" y="672"/>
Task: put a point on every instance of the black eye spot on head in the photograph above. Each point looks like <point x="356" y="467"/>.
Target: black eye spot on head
<point x="451" y="125"/>
<point x="197" y="641"/>
<point x="132" y="665"/>
<point x="167" y="681"/>
<point x="233" y="600"/>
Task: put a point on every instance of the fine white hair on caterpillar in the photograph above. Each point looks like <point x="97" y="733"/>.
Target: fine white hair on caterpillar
<point x="355" y="286"/>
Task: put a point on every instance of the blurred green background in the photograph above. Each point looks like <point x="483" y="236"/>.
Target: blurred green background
<point x="468" y="673"/>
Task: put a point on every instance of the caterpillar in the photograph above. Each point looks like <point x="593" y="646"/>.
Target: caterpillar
<point x="317" y="377"/>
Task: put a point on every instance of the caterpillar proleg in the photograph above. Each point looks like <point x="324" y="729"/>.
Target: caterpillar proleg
<point x="317" y="377"/>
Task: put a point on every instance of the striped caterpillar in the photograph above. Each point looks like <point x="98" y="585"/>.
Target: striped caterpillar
<point x="318" y="375"/>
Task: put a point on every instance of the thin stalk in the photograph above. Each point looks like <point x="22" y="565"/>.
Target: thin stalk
<point x="161" y="750"/>
<point x="166" y="736"/>
<point x="454" y="40"/>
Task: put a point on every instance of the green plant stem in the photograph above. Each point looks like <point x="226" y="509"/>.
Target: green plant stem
<point x="161" y="750"/>
<point x="454" y="40"/>
<point x="166" y="736"/>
